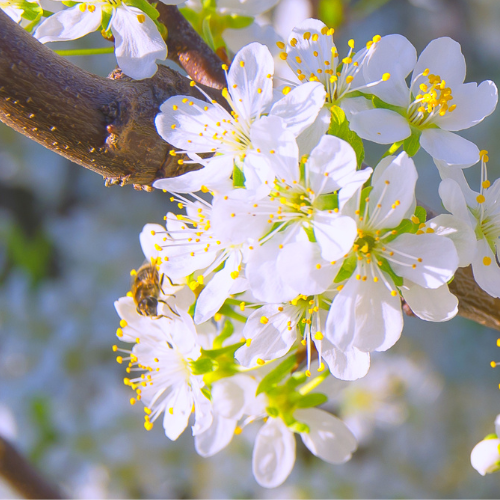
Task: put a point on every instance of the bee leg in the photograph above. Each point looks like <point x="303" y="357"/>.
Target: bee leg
<point x="173" y="312"/>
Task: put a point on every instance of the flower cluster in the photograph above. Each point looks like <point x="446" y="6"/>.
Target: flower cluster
<point x="290" y="262"/>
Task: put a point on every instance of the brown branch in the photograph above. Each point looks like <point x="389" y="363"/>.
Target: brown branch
<point x="21" y="476"/>
<point x="104" y="125"/>
<point x="186" y="48"/>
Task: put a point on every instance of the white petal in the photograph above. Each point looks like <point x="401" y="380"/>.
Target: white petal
<point x="395" y="55"/>
<point x="203" y="416"/>
<point x="232" y="397"/>
<point x="216" y="437"/>
<point x="449" y="147"/>
<point x="364" y="315"/>
<point x="69" y="24"/>
<point x="308" y="139"/>
<point x="300" y="107"/>
<point x="190" y="126"/>
<point x="395" y="184"/>
<point x="485" y="456"/>
<point x="250" y="80"/>
<point x="473" y="103"/>
<point x="273" y="454"/>
<point x="460" y="232"/>
<point x="137" y="44"/>
<point x="438" y="259"/>
<point x="329" y="438"/>
<point x="151" y="235"/>
<point x="348" y="364"/>
<point x="486" y="276"/>
<point x="335" y="234"/>
<point x="270" y="136"/>
<point x="454" y="201"/>
<point x="261" y="271"/>
<point x="270" y="340"/>
<point x="456" y="173"/>
<point x="382" y="126"/>
<point x="443" y="57"/>
<point x="302" y="268"/>
<point x="181" y="402"/>
<point x="214" y="176"/>
<point x="331" y="165"/>
<point x="437" y="304"/>
<point x="217" y="289"/>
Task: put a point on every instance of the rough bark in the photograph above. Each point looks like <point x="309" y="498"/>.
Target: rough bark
<point x="106" y="125"/>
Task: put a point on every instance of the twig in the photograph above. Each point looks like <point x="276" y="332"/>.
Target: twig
<point x="21" y="476"/>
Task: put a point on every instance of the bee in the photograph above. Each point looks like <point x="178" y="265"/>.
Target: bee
<point x="145" y="290"/>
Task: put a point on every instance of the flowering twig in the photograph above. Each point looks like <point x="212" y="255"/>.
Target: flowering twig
<point x="21" y="476"/>
<point x="104" y="125"/>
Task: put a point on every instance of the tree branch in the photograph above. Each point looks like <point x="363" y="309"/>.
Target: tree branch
<point x="21" y="476"/>
<point x="104" y="125"/>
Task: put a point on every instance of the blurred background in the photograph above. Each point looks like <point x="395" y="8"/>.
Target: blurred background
<point x="67" y="245"/>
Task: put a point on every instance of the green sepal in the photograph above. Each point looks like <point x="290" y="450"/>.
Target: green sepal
<point x="405" y="226"/>
<point x="277" y="375"/>
<point x="411" y="144"/>
<point x="310" y="233"/>
<point x="207" y="392"/>
<point x="203" y="365"/>
<point x="347" y="269"/>
<point x="299" y="427"/>
<point x="378" y="103"/>
<point x="365" y="193"/>
<point x="398" y="281"/>
<point x="228" y="311"/>
<point x="227" y="331"/>
<point x="272" y="411"/>
<point x="209" y="4"/>
<point x="107" y="12"/>
<point x="421" y="214"/>
<point x="238" y="177"/>
<point x="491" y="436"/>
<point x="70" y="4"/>
<point x="327" y="201"/>
<point x="31" y="10"/>
<point x="213" y="354"/>
<point x="296" y="379"/>
<point x="145" y="6"/>
<point x="339" y="127"/>
<point x="311" y="400"/>
<point x="236" y="22"/>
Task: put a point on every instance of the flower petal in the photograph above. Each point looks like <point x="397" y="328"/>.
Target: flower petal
<point x="273" y="454"/>
<point x="485" y="456"/>
<point x="348" y="364"/>
<point x="69" y="24"/>
<point x="437" y="304"/>
<point x="449" y="147"/>
<point x="328" y="438"/>
<point x="138" y="43"/>
<point x="216" y="437"/>
<point x="300" y="107"/>
<point x="382" y="126"/>
<point x="486" y="270"/>
<point x="334" y="233"/>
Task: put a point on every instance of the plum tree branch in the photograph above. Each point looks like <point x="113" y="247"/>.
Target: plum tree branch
<point x="107" y="125"/>
<point x="21" y="476"/>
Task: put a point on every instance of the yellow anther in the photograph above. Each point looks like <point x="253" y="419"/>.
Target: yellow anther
<point x="486" y="261"/>
<point x="486" y="184"/>
<point x="286" y="90"/>
<point x="248" y="342"/>
<point x="283" y="56"/>
<point x="132" y="401"/>
<point x="386" y="77"/>
<point x="280" y="45"/>
<point x="394" y="293"/>
<point x="308" y="373"/>
<point x="480" y="198"/>
<point x="264" y="320"/>
<point x="123" y="323"/>
<point x="318" y="336"/>
<point x="238" y="430"/>
<point x="260" y="362"/>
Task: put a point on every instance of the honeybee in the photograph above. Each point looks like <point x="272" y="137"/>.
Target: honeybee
<point x="145" y="289"/>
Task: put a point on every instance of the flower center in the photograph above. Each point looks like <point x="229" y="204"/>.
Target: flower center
<point x="432" y="101"/>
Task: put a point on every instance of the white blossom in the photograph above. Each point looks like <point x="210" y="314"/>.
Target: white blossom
<point x="485" y="456"/>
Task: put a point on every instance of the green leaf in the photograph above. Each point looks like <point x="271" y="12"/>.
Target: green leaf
<point x="238" y="177"/>
<point x="327" y="201"/>
<point x="311" y="400"/>
<point x="339" y="127"/>
<point x="207" y="33"/>
<point x="398" y="281"/>
<point x="223" y="351"/>
<point x="145" y="6"/>
<point x="421" y="214"/>
<point x="31" y="10"/>
<point x="277" y="375"/>
<point x="412" y="144"/>
<point x="347" y="268"/>
<point x="227" y="331"/>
